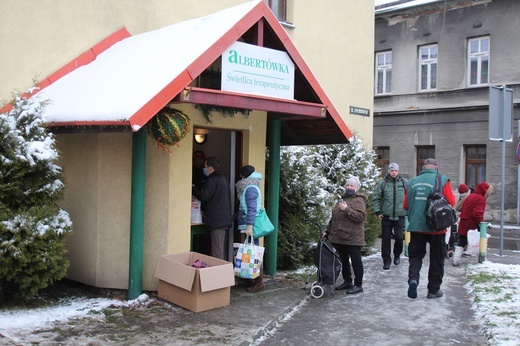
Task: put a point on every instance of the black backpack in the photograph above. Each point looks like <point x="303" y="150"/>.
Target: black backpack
<point x="439" y="213"/>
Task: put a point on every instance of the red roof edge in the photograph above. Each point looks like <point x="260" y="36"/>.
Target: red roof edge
<point x="152" y="107"/>
<point x="81" y="60"/>
<point x="302" y="65"/>
<point x="143" y="115"/>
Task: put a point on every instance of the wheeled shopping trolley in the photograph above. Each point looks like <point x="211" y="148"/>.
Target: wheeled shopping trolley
<point x="327" y="266"/>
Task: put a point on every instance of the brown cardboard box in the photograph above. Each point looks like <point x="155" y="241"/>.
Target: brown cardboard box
<point x="193" y="288"/>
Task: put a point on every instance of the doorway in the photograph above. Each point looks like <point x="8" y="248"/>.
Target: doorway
<point x="226" y="146"/>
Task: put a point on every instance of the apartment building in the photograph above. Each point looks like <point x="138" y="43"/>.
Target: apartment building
<point x="436" y="63"/>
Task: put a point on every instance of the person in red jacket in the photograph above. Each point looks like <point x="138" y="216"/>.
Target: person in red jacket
<point x="471" y="216"/>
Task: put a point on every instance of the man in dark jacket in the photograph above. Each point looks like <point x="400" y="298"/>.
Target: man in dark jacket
<point x="388" y="199"/>
<point x="420" y="233"/>
<point x="215" y="194"/>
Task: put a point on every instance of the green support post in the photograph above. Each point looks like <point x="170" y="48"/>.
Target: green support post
<point x="273" y="195"/>
<point x="482" y="252"/>
<point x="135" y="275"/>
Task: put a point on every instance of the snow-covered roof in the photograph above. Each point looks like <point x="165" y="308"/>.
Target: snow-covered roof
<point x="126" y="76"/>
<point x="397" y="5"/>
<point x="130" y="81"/>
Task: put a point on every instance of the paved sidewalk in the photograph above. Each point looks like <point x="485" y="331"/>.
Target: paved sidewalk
<point x="383" y="314"/>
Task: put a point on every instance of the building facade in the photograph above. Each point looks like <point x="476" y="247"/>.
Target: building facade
<point x="57" y="41"/>
<point x="436" y="63"/>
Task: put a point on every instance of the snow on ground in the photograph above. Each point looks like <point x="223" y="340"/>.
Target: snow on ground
<point x="493" y="287"/>
<point x="15" y="321"/>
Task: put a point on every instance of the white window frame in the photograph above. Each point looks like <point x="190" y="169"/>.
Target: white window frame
<point x="385" y="68"/>
<point x="480" y="56"/>
<point x="279" y="8"/>
<point x="429" y="62"/>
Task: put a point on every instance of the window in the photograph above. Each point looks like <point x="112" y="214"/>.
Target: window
<point x="478" y="61"/>
<point x="383" y="158"/>
<point x="383" y="73"/>
<point x="279" y="8"/>
<point x="428" y="67"/>
<point x="475" y="164"/>
<point x="423" y="153"/>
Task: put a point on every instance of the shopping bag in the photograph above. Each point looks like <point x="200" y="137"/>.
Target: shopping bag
<point x="263" y="226"/>
<point x="196" y="212"/>
<point x="248" y="261"/>
<point x="473" y="242"/>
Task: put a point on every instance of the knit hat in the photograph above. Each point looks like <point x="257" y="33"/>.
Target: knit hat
<point x="393" y="167"/>
<point x="246" y="171"/>
<point x="430" y="161"/>
<point x="463" y="188"/>
<point x="199" y="154"/>
<point x="354" y="181"/>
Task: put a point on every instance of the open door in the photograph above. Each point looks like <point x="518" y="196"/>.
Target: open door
<point x="226" y="146"/>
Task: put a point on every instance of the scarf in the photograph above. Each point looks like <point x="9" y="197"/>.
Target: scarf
<point x="243" y="183"/>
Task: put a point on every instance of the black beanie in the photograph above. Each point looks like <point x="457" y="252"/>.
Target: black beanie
<point x="246" y="171"/>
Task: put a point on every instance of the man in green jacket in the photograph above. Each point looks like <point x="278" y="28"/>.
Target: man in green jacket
<point x="388" y="205"/>
<point x="415" y="202"/>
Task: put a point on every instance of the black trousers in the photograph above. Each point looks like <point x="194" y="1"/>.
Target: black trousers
<point x="387" y="228"/>
<point x="348" y="253"/>
<point x="416" y="253"/>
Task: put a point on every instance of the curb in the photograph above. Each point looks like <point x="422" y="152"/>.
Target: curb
<point x="287" y="313"/>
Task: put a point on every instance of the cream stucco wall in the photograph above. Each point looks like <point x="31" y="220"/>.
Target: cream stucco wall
<point x="38" y="37"/>
<point x="336" y="39"/>
<point x="97" y="169"/>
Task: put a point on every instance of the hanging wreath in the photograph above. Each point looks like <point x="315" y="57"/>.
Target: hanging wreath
<point x="169" y="127"/>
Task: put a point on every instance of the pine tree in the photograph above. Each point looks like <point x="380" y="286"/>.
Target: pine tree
<point x="312" y="180"/>
<point x="32" y="227"/>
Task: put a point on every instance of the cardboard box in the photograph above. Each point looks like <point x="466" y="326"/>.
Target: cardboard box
<point x="196" y="289"/>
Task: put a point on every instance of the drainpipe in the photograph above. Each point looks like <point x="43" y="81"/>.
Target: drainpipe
<point x="273" y="195"/>
<point x="135" y="275"/>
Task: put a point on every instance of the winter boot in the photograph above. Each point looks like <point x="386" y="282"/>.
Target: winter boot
<point x="457" y="255"/>
<point x="258" y="285"/>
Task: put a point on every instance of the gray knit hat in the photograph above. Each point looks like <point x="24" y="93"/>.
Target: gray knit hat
<point x="393" y="167"/>
<point x="354" y="181"/>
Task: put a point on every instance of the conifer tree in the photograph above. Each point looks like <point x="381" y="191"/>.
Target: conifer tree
<point x="32" y="226"/>
<point x="312" y="180"/>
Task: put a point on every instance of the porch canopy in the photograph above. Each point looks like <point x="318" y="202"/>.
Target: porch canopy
<point x="122" y="82"/>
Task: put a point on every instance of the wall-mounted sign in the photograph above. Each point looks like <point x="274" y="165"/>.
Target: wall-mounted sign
<point x="360" y="111"/>
<point x="251" y="69"/>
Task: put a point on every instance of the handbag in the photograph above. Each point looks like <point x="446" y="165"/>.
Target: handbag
<point x="248" y="261"/>
<point x="263" y="226"/>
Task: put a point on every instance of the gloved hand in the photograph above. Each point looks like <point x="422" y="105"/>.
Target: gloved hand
<point x="249" y="230"/>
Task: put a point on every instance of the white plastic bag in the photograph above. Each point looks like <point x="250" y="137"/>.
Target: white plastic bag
<point x="196" y="212"/>
<point x="448" y="235"/>
<point x="474" y="241"/>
